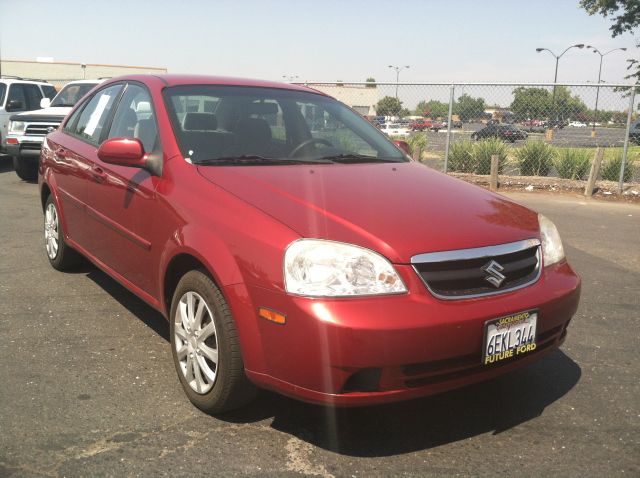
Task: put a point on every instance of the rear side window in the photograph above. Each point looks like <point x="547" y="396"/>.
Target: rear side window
<point x="3" y="92"/>
<point x="17" y="93"/>
<point x="92" y="120"/>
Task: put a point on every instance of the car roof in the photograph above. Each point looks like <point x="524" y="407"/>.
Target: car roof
<point x="24" y="80"/>
<point x="179" y="80"/>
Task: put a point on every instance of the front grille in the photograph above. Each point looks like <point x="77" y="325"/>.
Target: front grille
<point x="481" y="271"/>
<point x="38" y="129"/>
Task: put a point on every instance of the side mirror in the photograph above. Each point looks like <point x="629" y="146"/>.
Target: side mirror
<point x="123" y="152"/>
<point x="404" y="146"/>
<point x="14" y="105"/>
<point x="45" y="102"/>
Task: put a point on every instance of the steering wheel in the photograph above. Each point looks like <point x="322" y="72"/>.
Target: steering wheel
<point x="308" y="142"/>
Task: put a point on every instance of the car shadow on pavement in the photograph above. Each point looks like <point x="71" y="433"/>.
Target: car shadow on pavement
<point x="386" y="430"/>
<point x="147" y="314"/>
<point x="6" y="164"/>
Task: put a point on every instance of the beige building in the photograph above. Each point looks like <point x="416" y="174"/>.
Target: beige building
<point x="361" y="98"/>
<point x="58" y="73"/>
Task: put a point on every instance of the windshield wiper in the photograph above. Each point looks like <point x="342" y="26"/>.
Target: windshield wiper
<point x="358" y="158"/>
<point x="254" y="160"/>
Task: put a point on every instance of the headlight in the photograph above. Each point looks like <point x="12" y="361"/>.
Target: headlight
<point x="16" y="127"/>
<point x="320" y="268"/>
<point x="552" y="250"/>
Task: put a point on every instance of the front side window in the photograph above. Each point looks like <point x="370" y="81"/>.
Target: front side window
<point x="33" y="96"/>
<point x="225" y="123"/>
<point x="71" y="94"/>
<point x="134" y="118"/>
<point x="92" y="120"/>
<point x="49" y="91"/>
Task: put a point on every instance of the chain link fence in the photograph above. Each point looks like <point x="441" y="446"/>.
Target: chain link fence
<point x="536" y="129"/>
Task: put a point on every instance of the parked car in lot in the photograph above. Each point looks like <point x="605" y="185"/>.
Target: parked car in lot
<point x="312" y="264"/>
<point x="16" y="95"/>
<point x="395" y="129"/>
<point x="27" y="130"/>
<point x="426" y="124"/>
<point x="577" y="124"/>
<point x="506" y="132"/>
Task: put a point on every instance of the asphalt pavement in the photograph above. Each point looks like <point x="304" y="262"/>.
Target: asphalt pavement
<point x="88" y="388"/>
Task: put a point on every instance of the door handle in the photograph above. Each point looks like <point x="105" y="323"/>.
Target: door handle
<point x="98" y="174"/>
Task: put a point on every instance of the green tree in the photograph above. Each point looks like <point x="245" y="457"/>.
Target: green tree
<point x="432" y="109"/>
<point x="388" y="106"/>
<point x="530" y="103"/>
<point x="625" y="15"/>
<point x="371" y="82"/>
<point x="468" y="107"/>
<point x="404" y="112"/>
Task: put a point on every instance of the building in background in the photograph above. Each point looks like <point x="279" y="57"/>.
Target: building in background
<point x="362" y="98"/>
<point x="59" y="73"/>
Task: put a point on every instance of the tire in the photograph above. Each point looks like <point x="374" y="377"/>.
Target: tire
<point x="206" y="350"/>
<point x="61" y="256"/>
<point x="25" y="170"/>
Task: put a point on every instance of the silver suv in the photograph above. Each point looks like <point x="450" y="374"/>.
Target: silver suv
<point x="17" y="95"/>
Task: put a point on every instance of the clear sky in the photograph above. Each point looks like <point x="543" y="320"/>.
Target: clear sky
<point x="455" y="40"/>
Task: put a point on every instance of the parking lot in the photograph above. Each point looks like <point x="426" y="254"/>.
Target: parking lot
<point x="89" y="388"/>
<point x="568" y="137"/>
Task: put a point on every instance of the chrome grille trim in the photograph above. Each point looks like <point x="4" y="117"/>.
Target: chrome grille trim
<point x="486" y="252"/>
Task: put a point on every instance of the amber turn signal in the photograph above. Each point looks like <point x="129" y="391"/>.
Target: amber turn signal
<point x="272" y="315"/>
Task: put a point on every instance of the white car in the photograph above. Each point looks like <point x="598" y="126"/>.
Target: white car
<point x="27" y="130"/>
<point x="395" y="129"/>
<point x="577" y="124"/>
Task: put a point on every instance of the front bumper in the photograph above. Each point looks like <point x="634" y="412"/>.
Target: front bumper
<point x="24" y="147"/>
<point x="364" y="351"/>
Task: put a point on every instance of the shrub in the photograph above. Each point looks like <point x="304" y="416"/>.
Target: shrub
<point x="611" y="169"/>
<point x="482" y="152"/>
<point x="572" y="163"/>
<point x="535" y="158"/>
<point x="461" y="157"/>
<point x="417" y="145"/>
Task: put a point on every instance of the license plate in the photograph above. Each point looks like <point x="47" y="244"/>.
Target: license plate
<point x="509" y="336"/>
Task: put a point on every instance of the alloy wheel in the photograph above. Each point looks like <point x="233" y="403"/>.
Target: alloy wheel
<point x="196" y="342"/>
<point x="51" y="231"/>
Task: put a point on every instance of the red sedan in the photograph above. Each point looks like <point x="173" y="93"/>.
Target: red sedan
<point x="293" y="247"/>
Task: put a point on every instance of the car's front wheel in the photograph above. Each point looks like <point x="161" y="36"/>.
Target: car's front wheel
<point x="60" y="256"/>
<point x="25" y="169"/>
<point x="205" y="346"/>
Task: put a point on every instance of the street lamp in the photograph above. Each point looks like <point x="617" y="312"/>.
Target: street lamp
<point x="602" y="55"/>
<point x="557" y="57"/>
<point x="398" y="70"/>
<point x="290" y="78"/>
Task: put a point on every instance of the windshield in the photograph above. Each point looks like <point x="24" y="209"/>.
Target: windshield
<point x="71" y="94"/>
<point x="251" y="124"/>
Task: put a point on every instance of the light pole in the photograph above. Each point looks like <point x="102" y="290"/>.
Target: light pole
<point x="602" y="55"/>
<point x="555" y="76"/>
<point x="398" y="70"/>
<point x="290" y="78"/>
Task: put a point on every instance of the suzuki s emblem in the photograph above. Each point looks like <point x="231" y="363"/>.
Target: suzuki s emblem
<point x="50" y="129"/>
<point x="494" y="277"/>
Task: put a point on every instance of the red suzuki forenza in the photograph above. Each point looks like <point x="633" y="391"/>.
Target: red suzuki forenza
<point x="293" y="247"/>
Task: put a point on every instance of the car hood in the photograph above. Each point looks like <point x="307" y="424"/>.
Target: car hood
<point x="58" y="112"/>
<point x="397" y="209"/>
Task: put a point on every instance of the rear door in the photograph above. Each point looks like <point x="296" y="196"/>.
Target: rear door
<point x="122" y="199"/>
<point x="74" y="151"/>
